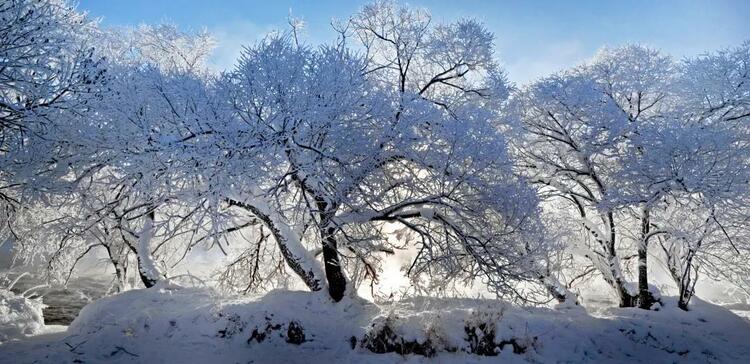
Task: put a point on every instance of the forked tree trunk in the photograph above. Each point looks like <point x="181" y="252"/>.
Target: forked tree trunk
<point x="687" y="283"/>
<point x="326" y="210"/>
<point x="612" y="273"/>
<point x="119" y="261"/>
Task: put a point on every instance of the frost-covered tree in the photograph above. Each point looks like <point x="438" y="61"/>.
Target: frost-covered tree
<point x="680" y="178"/>
<point x="713" y="170"/>
<point x="163" y="46"/>
<point x="452" y="67"/>
<point x="112" y="166"/>
<point x="697" y="163"/>
<point x="636" y="141"/>
<point x="402" y="133"/>
<point x="326" y="146"/>
<point x="45" y="62"/>
<point x="575" y="129"/>
<point x="135" y="145"/>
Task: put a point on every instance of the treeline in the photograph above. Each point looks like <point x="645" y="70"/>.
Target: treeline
<point x="319" y="161"/>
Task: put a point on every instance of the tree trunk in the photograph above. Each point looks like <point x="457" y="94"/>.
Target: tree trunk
<point x="682" y="280"/>
<point x="121" y="270"/>
<point x="146" y="278"/>
<point x="334" y="272"/>
<point x="625" y="296"/>
<point x="557" y="290"/>
<point x="612" y="273"/>
<point x="326" y="210"/>
<point x="295" y="255"/>
<point x="645" y="297"/>
<point x="682" y="303"/>
<point x="121" y="273"/>
<point x="147" y="269"/>
<point x="687" y="283"/>
<point x="627" y="299"/>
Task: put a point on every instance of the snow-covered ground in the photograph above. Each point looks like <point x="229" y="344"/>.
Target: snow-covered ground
<point x="171" y="324"/>
<point x="19" y="316"/>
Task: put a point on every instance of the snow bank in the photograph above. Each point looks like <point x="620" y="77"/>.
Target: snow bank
<point x="19" y="316"/>
<point x="193" y="325"/>
<point x="189" y="325"/>
<point x="706" y="334"/>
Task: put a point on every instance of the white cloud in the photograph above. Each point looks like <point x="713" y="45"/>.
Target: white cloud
<point x="539" y="61"/>
<point x="231" y="38"/>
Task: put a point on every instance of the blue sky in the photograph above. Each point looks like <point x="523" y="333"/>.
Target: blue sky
<point x="533" y="38"/>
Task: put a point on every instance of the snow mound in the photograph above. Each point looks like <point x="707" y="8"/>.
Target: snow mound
<point x="706" y="334"/>
<point x="168" y="323"/>
<point x="195" y="325"/>
<point x="19" y="316"/>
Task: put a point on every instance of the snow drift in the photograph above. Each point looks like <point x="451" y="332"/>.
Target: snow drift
<point x="19" y="316"/>
<point x="169" y="323"/>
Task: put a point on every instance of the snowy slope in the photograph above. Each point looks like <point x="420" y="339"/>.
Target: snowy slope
<point x="187" y="325"/>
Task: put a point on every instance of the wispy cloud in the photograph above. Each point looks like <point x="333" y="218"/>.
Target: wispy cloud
<point x="231" y="38"/>
<point x="537" y="62"/>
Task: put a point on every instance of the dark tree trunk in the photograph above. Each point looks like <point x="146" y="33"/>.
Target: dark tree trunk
<point x="682" y="303"/>
<point x="147" y="281"/>
<point x="687" y="283"/>
<point x="684" y="293"/>
<point x="627" y="299"/>
<point x="326" y="210"/>
<point x="645" y="297"/>
<point x="334" y="273"/>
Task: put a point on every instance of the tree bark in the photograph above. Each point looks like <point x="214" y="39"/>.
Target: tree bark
<point x="627" y="299"/>
<point x="687" y="283"/>
<point x="557" y="290"/>
<point x="121" y="270"/>
<point x="645" y="297"/>
<point x="682" y="303"/>
<point x="292" y="251"/>
<point x="147" y="268"/>
<point x="334" y="272"/>
<point x="326" y="210"/>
